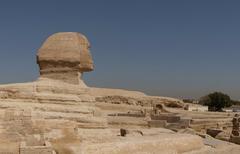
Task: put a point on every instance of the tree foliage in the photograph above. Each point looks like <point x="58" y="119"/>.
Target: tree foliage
<point x="235" y="102"/>
<point x="216" y="101"/>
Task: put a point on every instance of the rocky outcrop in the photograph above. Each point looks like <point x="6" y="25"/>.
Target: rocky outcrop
<point x="141" y="101"/>
<point x="127" y="132"/>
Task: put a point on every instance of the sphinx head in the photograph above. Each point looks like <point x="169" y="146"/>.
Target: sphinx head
<point x="65" y="56"/>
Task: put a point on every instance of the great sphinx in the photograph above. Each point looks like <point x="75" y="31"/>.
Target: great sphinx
<point x="62" y="60"/>
<point x="60" y="108"/>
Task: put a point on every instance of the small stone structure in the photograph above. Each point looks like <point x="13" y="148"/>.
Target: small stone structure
<point x="235" y="128"/>
<point x="170" y="121"/>
<point x="45" y="148"/>
<point x="235" y="136"/>
<point x="137" y="114"/>
<point x="157" y="123"/>
<point x="125" y="132"/>
<point x="198" y="108"/>
<point x="213" y="132"/>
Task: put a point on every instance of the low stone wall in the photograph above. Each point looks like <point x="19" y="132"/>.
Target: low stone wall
<point x="128" y="115"/>
<point x="168" y="118"/>
<point x="157" y="123"/>
<point x="169" y="121"/>
<point x="41" y="149"/>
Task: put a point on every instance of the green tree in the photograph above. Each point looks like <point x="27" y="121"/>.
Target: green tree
<point x="235" y="102"/>
<point x="216" y="101"/>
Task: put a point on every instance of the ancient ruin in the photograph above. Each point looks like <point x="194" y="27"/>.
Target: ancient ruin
<point x="235" y="136"/>
<point x="59" y="113"/>
<point x="235" y="128"/>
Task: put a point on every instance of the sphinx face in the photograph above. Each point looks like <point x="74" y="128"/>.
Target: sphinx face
<point x="86" y="61"/>
<point x="65" y="56"/>
<point x="66" y="50"/>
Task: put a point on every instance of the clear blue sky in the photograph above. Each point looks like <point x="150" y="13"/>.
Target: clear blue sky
<point x="179" y="48"/>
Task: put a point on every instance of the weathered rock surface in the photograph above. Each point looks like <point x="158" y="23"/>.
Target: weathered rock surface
<point x="126" y="132"/>
<point x="65" y="56"/>
<point x="214" y="132"/>
<point x="225" y="136"/>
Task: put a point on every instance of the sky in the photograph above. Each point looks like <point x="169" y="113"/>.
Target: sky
<point x="175" y="48"/>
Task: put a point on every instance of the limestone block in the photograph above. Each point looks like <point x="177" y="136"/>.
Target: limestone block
<point x="157" y="123"/>
<point x="235" y="139"/>
<point x="126" y="121"/>
<point x="9" y="115"/>
<point x="127" y="132"/>
<point x="187" y="131"/>
<point x="168" y="117"/>
<point x="46" y="148"/>
<point x="185" y="122"/>
<point x="137" y="115"/>
<point x="9" y="147"/>
<point x="213" y="132"/>
<point x="225" y="136"/>
<point x="162" y="144"/>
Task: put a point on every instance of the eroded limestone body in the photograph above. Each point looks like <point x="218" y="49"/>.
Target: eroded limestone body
<point x="59" y="108"/>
